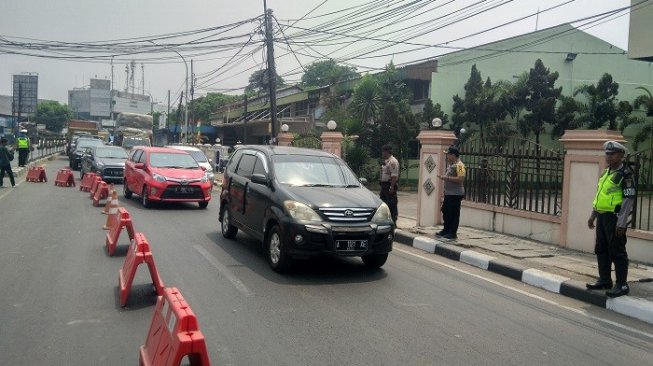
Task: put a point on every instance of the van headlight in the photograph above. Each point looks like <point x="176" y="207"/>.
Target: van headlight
<point x="300" y="211"/>
<point x="382" y="214"/>
<point x="158" y="177"/>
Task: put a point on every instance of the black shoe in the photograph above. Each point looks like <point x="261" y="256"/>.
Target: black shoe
<point x="450" y="236"/>
<point x="440" y="233"/>
<point x="618" y="290"/>
<point x="599" y="285"/>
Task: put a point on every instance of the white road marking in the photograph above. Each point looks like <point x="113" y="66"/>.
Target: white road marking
<point x="238" y="284"/>
<point x="577" y="311"/>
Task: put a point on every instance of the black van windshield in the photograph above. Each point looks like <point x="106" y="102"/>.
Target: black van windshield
<point x="312" y="171"/>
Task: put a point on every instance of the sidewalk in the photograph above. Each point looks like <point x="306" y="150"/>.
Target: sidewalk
<point x="550" y="267"/>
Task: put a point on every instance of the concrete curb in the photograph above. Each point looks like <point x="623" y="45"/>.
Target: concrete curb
<point x="634" y="307"/>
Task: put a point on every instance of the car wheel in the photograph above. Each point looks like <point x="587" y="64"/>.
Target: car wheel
<point x="144" y="200"/>
<point x="125" y="190"/>
<point x="228" y="231"/>
<point x="278" y="257"/>
<point x="375" y="260"/>
<point x="203" y="204"/>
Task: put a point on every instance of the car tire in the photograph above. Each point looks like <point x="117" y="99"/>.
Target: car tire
<point x="144" y="200"/>
<point x="375" y="260"/>
<point x="125" y="190"/>
<point x="277" y="255"/>
<point x="203" y="204"/>
<point x="228" y="231"/>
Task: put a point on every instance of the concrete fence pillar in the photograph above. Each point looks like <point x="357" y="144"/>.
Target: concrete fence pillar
<point x="332" y="142"/>
<point x="285" y="139"/>
<point x="584" y="162"/>
<point x="432" y="162"/>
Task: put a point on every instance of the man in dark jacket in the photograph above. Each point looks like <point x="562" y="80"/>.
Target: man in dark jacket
<point x="6" y="156"/>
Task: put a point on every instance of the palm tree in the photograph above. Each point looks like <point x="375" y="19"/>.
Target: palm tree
<point x="367" y="100"/>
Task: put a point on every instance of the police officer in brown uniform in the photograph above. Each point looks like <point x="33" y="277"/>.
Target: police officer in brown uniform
<point x="611" y="207"/>
<point x="389" y="176"/>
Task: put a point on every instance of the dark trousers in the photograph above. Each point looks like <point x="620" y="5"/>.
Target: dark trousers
<point x="6" y="169"/>
<point x="610" y="249"/>
<point x="451" y="214"/>
<point x="22" y="156"/>
<point x="390" y="199"/>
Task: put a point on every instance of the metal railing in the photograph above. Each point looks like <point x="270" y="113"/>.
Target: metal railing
<point x="520" y="175"/>
<point x="45" y="147"/>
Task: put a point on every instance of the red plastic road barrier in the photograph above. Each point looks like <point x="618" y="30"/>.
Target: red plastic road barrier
<point x="94" y="186"/>
<point x="65" y="178"/>
<point x="36" y="174"/>
<point x="101" y="193"/>
<point x="87" y="182"/>
<point x="121" y="219"/>
<point x="174" y="333"/>
<point x="139" y="252"/>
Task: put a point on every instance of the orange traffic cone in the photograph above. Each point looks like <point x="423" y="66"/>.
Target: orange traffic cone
<point x="113" y="195"/>
<point x="113" y="213"/>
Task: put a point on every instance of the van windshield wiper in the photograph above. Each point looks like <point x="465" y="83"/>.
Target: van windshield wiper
<point x="317" y="185"/>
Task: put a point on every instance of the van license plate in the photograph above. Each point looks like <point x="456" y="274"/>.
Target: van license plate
<point x="351" y="245"/>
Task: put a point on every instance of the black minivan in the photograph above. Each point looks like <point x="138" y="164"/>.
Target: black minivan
<point x="301" y="203"/>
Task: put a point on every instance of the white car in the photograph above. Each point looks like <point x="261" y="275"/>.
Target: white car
<point x="200" y="157"/>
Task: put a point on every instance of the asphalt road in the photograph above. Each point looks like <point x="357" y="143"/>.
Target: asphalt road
<point x="60" y="303"/>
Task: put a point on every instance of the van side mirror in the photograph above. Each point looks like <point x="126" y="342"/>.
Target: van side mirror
<point x="260" y="179"/>
<point x="363" y="181"/>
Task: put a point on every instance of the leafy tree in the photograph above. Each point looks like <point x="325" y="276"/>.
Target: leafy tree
<point x="514" y="95"/>
<point x="567" y="116"/>
<point x="328" y="72"/>
<point x="540" y="100"/>
<point x="201" y="108"/>
<point x="258" y="82"/>
<point x="601" y="107"/>
<point x="472" y="102"/>
<point x="646" y="101"/>
<point x="624" y="114"/>
<point x="458" y="116"/>
<point x="430" y="111"/>
<point x="53" y="115"/>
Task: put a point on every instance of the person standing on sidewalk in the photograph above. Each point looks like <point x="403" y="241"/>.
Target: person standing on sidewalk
<point x="611" y="206"/>
<point x="6" y="156"/>
<point x="389" y="177"/>
<point x="454" y="192"/>
<point x="23" y="145"/>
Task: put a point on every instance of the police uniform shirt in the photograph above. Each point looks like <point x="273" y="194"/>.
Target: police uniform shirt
<point x="389" y="169"/>
<point x="624" y="177"/>
<point x="456" y="169"/>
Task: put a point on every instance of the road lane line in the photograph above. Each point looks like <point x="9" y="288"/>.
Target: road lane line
<point x="238" y="284"/>
<point x="577" y="311"/>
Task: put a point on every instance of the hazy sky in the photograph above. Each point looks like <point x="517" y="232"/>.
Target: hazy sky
<point x="363" y="33"/>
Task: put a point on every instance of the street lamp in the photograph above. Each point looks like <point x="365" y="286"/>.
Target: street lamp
<point x="186" y="79"/>
<point x="436" y="122"/>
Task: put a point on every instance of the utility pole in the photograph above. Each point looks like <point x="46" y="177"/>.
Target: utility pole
<point x="245" y="120"/>
<point x="271" y="71"/>
<point x="111" y="97"/>
<point x="192" y="96"/>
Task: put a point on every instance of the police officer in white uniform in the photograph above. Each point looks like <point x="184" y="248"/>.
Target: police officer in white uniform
<point x="389" y="176"/>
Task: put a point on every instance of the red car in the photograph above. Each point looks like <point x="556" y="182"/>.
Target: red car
<point x="160" y="174"/>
